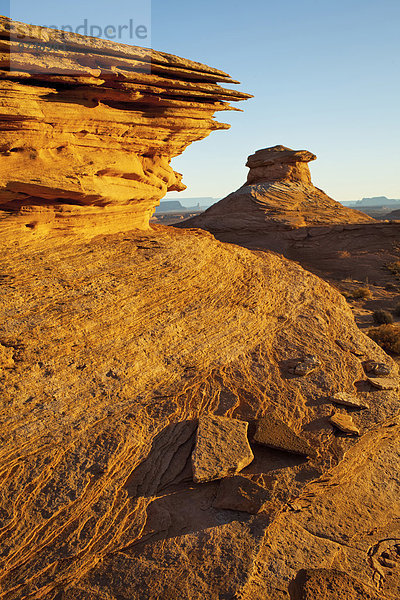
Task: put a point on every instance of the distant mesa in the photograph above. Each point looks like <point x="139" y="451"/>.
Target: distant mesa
<point x="170" y="206"/>
<point x="376" y="201"/>
<point x="189" y="205"/>
<point x="394" y="215"/>
<point x="278" y="195"/>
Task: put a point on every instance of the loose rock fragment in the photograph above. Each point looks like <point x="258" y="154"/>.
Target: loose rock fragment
<point x="372" y="368"/>
<point x="222" y="448"/>
<point x="344" y="423"/>
<point x="241" y="493"/>
<point x="350" y="400"/>
<point x="306" y="366"/>
<point x="383" y="383"/>
<point x="274" y="433"/>
<point x="348" y="346"/>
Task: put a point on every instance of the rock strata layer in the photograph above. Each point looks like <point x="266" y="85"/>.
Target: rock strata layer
<point x="89" y="128"/>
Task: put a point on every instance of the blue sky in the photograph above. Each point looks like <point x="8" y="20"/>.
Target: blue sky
<point x="325" y="76"/>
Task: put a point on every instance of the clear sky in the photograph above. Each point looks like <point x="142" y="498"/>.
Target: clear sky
<point x="325" y="76"/>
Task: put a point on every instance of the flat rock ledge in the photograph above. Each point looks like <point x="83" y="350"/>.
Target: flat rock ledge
<point x="222" y="448"/>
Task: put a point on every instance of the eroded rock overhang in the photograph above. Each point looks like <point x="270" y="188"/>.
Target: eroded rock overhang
<point x="89" y="126"/>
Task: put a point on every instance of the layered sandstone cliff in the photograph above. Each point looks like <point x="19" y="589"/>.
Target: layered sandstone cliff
<point x="278" y="195"/>
<point x="89" y="127"/>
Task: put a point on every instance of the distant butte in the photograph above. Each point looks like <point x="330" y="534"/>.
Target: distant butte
<point x="279" y="209"/>
<point x="278" y="194"/>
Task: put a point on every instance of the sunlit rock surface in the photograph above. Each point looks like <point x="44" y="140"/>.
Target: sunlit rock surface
<point x="89" y="128"/>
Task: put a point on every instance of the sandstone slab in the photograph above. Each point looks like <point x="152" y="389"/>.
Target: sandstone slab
<point x="242" y="494"/>
<point x="350" y="400"/>
<point x="222" y="448"/>
<point x="376" y="369"/>
<point x="344" y="423"/>
<point x="384" y="383"/>
<point x="274" y="433"/>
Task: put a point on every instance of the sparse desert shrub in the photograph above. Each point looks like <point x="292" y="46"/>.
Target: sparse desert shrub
<point x="362" y="293"/>
<point x="387" y="336"/>
<point x="382" y="317"/>
<point x="397" y="310"/>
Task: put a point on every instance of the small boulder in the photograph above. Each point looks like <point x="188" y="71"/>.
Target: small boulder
<point x="241" y="493"/>
<point x="344" y="423"/>
<point x="384" y="383"/>
<point x="274" y="433"/>
<point x="221" y="449"/>
<point x="350" y="400"/>
<point x="376" y="369"/>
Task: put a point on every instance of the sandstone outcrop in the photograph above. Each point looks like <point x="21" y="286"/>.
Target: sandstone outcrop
<point x="126" y="357"/>
<point x="278" y="195"/>
<point x="89" y="128"/>
<point x="279" y="209"/>
<point x="120" y="345"/>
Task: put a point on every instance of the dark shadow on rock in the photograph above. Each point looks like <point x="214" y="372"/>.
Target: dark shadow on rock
<point x="362" y="385"/>
<point x="168" y="464"/>
<point x="267" y="459"/>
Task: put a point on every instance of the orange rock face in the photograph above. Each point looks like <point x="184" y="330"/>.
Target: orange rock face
<point x="89" y="129"/>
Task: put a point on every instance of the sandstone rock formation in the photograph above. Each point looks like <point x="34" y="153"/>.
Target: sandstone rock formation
<point x="113" y="348"/>
<point x="89" y="128"/>
<point x="279" y="209"/>
<point x="119" y="345"/>
<point x="278" y="196"/>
